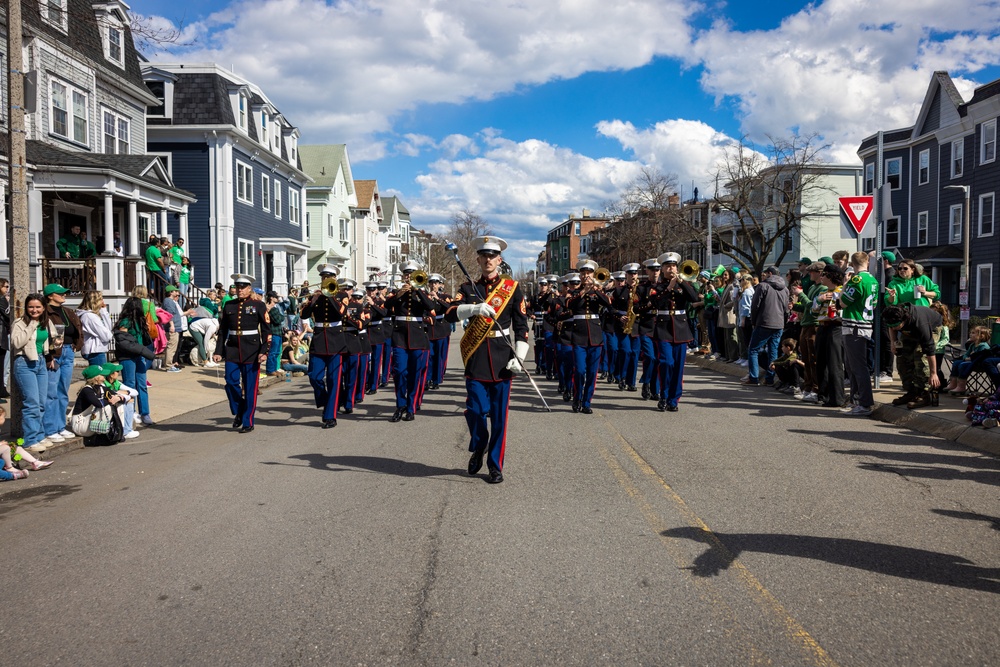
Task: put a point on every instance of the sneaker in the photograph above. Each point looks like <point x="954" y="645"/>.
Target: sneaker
<point x="148" y="383"/>
<point x="41" y="465"/>
<point x="797" y="393"/>
<point x="743" y="362"/>
<point x="810" y="397"/>
<point x="859" y="411"/>
<point x="750" y="382"/>
<point x="745" y="378"/>
<point x="298" y="374"/>
<point x="38" y="447"/>
<point x="849" y="407"/>
<point x="55" y="437"/>
<point x="172" y="369"/>
<point x="19" y="474"/>
<point x="211" y="364"/>
<point x="147" y="420"/>
<point x="884" y="378"/>
<point x="990" y="423"/>
<point x="921" y="401"/>
<point x="66" y="433"/>
<point x="131" y="434"/>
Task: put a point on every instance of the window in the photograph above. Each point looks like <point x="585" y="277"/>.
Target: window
<point x="868" y="243"/>
<point x="277" y="201"/>
<point x="242" y="117"/>
<point x="986" y="214"/>
<point x="245" y="263"/>
<point x="924" y="167"/>
<point x="159" y="89"/>
<point x="565" y="252"/>
<point x="786" y="190"/>
<point x="984" y="287"/>
<point x="892" y="233"/>
<point x="116" y="133"/>
<point x="988" y="142"/>
<point x="293" y="206"/>
<point x="955" y="224"/>
<point x="244" y="183"/>
<point x="265" y="192"/>
<point x="576" y="228"/>
<point x="343" y="230"/>
<point x="957" y="157"/>
<point x="893" y="171"/>
<point x="113" y="50"/>
<point x="869" y="178"/>
<point x="922" y="228"/>
<point x="69" y="116"/>
<point x="293" y="146"/>
<point x="145" y="223"/>
<point x="263" y="127"/>
<point x="696" y="217"/>
<point x="54" y="12"/>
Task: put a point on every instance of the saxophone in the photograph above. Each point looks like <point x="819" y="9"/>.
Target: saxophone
<point x="630" y="315"/>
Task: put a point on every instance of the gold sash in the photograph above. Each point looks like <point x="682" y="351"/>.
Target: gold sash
<point x="479" y="327"/>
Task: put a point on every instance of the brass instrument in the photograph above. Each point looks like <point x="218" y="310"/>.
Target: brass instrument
<point x="688" y="270"/>
<point x="418" y="279"/>
<point x="631" y="315"/>
<point x="330" y="286"/>
<point x="601" y="275"/>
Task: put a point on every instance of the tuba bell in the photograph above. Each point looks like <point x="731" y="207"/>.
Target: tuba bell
<point x="418" y="279"/>
<point x="601" y="275"/>
<point x="688" y="270"/>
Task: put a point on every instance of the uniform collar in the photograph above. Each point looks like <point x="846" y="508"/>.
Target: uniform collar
<point x="489" y="283"/>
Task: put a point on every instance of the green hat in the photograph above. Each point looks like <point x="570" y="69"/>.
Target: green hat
<point x="806" y="261"/>
<point x="889" y="256"/>
<point x="110" y="368"/>
<point x="90" y="372"/>
<point x="54" y="288"/>
<point x="826" y="260"/>
<point x="169" y="288"/>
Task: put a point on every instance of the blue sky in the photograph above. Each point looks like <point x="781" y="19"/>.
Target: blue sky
<point x="525" y="112"/>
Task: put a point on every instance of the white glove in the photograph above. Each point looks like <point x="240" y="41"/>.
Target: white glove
<point x="467" y="310"/>
<point x="520" y="352"/>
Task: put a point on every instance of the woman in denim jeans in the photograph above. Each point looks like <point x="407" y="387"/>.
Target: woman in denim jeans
<point x="32" y="338"/>
<point x="96" y="323"/>
<point x="134" y="365"/>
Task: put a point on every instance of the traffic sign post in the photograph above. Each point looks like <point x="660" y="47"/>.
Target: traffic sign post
<point x="858" y="211"/>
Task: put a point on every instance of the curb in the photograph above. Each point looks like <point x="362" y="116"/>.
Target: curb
<point x="75" y="443"/>
<point x="949" y="428"/>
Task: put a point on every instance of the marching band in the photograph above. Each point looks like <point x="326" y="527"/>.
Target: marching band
<point x="586" y="325"/>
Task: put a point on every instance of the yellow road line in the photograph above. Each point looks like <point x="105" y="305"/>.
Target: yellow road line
<point x="764" y="597"/>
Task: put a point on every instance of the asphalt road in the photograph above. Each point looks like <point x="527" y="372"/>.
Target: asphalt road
<point x="745" y="529"/>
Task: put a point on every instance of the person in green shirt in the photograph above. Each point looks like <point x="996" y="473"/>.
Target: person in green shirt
<point x="154" y="265"/>
<point x="184" y="276"/>
<point x="112" y="373"/>
<point x="858" y="300"/>
<point x="908" y="287"/>
<point x="75" y="245"/>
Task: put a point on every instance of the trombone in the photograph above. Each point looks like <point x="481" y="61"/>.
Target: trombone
<point x="688" y="270"/>
<point x="601" y="275"/>
<point x="329" y="286"/>
<point x="418" y="279"/>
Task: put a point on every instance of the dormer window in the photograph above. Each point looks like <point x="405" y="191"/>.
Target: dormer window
<point x="54" y="12"/>
<point x="241" y="117"/>
<point x="113" y="45"/>
<point x="263" y="128"/>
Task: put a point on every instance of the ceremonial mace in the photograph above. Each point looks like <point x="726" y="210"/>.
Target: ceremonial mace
<point x="448" y="245"/>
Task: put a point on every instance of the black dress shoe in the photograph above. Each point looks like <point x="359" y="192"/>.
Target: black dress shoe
<point x="407" y="416"/>
<point x="586" y="411"/>
<point x="495" y="477"/>
<point x="246" y="429"/>
<point x="567" y="396"/>
<point x="329" y="423"/>
<point x="476" y="461"/>
<point x="621" y="386"/>
<point x="238" y="422"/>
<point x="348" y="411"/>
<point x="631" y="387"/>
<point x="645" y="391"/>
<point x="661" y="405"/>
<point x="397" y="415"/>
<point x="548" y="376"/>
<point x="672" y="408"/>
<point x="561" y="388"/>
<point x="603" y="376"/>
<point x="370" y="392"/>
<point x="576" y="406"/>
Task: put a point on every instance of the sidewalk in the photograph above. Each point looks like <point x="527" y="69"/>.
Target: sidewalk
<point x="945" y="421"/>
<point x="171" y="395"/>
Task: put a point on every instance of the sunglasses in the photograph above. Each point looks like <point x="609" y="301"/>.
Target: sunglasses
<point x="489" y="254"/>
<point x="574" y="282"/>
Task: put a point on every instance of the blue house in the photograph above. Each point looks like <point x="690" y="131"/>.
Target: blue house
<point x="223" y="140"/>
<point x="952" y="143"/>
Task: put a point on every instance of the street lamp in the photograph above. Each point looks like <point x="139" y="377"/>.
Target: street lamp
<point x="963" y="285"/>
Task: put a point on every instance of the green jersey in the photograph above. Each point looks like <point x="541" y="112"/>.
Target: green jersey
<point x="858" y="299"/>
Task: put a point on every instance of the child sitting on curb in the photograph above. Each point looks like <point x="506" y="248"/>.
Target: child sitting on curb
<point x="11" y="452"/>
<point x="787" y="369"/>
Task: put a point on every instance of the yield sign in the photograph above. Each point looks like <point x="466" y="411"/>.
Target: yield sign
<point x="858" y="210"/>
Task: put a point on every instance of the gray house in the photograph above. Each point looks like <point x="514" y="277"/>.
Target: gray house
<point x="952" y="143"/>
<point x="223" y="139"/>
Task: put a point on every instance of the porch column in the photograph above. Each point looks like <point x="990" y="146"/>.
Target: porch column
<point x="133" y="229"/>
<point x="163" y="224"/>
<point x="109" y="224"/>
<point x="183" y="232"/>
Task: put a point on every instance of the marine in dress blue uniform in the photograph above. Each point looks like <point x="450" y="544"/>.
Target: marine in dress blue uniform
<point x="385" y="370"/>
<point x="350" y="362"/>
<point x="628" y="341"/>
<point x="439" y="332"/>
<point x="650" y="378"/>
<point x="326" y="347"/>
<point x="609" y="359"/>
<point x="375" y="305"/>
<point x="489" y="359"/>
<point x="585" y="304"/>
<point x="670" y="299"/>
<point x="537" y="307"/>
<point x="563" y="318"/>
<point x="244" y="337"/>
<point x="410" y="308"/>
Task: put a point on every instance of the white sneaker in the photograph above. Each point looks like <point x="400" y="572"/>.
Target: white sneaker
<point x="810" y="397"/>
<point x="147" y="420"/>
<point x="37" y="448"/>
<point x="211" y="364"/>
<point x="859" y="411"/>
<point x="131" y="434"/>
<point x="66" y="433"/>
<point x="55" y="437"/>
<point x="884" y="378"/>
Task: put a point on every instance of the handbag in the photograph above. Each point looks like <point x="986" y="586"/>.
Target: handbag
<point x="80" y="423"/>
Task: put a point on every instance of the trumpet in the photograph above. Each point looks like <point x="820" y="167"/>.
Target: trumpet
<point x="601" y="275"/>
<point x="688" y="270"/>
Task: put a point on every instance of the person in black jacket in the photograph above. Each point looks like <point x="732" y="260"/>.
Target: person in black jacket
<point x="244" y="338"/>
<point x="4" y="334"/>
<point x="918" y="328"/>
<point x="410" y="307"/>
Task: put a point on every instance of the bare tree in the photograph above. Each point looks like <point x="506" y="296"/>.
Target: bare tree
<point x="150" y="35"/>
<point x="646" y="221"/>
<point x="466" y="225"/>
<point x="767" y="192"/>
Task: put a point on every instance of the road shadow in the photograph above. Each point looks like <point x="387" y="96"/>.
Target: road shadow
<point x="994" y="521"/>
<point x="931" y="466"/>
<point x="896" y="561"/>
<point x="20" y="499"/>
<point x="375" y="464"/>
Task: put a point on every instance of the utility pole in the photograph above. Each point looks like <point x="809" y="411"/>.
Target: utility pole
<point x="17" y="183"/>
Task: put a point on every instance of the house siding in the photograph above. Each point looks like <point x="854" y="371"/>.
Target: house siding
<point x="923" y="197"/>
<point x="190" y="172"/>
<point x="933" y="120"/>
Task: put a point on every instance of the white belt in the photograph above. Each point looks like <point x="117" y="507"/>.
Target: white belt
<point x="439" y="317"/>
<point x="351" y="329"/>
<point x="671" y="312"/>
<point x="585" y="317"/>
<point x="251" y="332"/>
<point x="403" y="318"/>
<point x="496" y="333"/>
<point x="321" y="325"/>
<point x="540" y="313"/>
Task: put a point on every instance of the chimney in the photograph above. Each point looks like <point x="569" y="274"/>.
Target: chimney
<point x="586" y="212"/>
<point x="674" y="201"/>
<point x="572" y="216"/>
